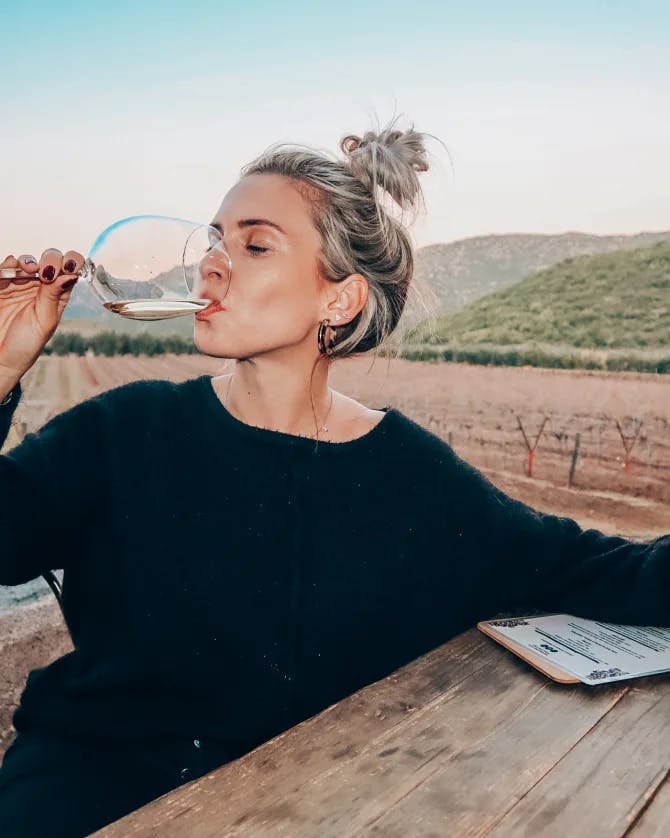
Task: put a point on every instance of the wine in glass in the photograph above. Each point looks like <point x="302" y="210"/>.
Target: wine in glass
<point x="150" y="267"/>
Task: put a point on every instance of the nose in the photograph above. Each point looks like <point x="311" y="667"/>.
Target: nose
<point x="215" y="263"/>
<point x="214" y="273"/>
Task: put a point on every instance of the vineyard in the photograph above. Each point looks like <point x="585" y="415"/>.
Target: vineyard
<point x="590" y="444"/>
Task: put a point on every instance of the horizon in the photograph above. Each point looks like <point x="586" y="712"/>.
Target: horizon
<point x="556" y="121"/>
<point x="557" y="234"/>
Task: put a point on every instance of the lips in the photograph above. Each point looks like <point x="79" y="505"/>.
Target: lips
<point x="212" y="308"/>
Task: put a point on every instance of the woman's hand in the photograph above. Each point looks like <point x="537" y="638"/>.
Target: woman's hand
<point x="31" y="307"/>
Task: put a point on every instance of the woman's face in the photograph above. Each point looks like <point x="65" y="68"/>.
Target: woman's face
<point x="275" y="298"/>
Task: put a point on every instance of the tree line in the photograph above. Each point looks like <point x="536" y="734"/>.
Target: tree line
<point x="144" y="343"/>
<point x="536" y="357"/>
<point x="115" y="343"/>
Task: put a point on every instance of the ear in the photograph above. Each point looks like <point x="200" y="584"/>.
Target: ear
<point x="347" y="298"/>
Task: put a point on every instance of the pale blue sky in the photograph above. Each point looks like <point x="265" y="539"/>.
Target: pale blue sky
<point x="556" y="115"/>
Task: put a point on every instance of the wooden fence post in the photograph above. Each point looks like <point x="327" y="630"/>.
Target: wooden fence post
<point x="628" y="443"/>
<point x="575" y="454"/>
<point x="531" y="448"/>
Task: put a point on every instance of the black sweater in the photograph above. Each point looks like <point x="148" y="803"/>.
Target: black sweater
<point x="227" y="581"/>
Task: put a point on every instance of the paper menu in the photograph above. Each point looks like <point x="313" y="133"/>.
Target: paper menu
<point x="592" y="651"/>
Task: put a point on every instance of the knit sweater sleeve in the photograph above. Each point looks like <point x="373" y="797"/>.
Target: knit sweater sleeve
<point x="46" y="494"/>
<point x="7" y="409"/>
<point x="525" y="558"/>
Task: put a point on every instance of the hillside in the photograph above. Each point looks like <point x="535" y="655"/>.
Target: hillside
<point x="619" y="299"/>
<point x="466" y="270"/>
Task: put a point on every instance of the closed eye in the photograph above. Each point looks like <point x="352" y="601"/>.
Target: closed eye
<point x="254" y="248"/>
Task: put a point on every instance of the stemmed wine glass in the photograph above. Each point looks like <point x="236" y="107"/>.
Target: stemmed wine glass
<point x="150" y="267"/>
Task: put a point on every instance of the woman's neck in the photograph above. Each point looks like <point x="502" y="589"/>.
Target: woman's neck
<point x="280" y="405"/>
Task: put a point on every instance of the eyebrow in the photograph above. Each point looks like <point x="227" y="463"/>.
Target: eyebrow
<point x="250" y="222"/>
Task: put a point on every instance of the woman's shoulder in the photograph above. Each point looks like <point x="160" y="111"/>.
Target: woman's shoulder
<point x="428" y="459"/>
<point x="138" y="412"/>
<point x="141" y="389"/>
<point x="133" y="393"/>
<point x="420" y="438"/>
<point x="133" y="399"/>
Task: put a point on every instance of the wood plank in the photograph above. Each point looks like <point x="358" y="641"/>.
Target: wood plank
<point x="342" y="770"/>
<point x="279" y="765"/>
<point x="605" y="782"/>
<point x="440" y="773"/>
<point x="654" y="820"/>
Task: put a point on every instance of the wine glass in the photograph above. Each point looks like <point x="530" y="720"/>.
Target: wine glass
<point x="147" y="267"/>
<point x="150" y="267"/>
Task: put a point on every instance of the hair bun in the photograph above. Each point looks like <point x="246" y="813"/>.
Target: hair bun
<point x="389" y="159"/>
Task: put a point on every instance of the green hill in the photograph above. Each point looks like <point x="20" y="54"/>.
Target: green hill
<point x="611" y="300"/>
<point x="466" y="270"/>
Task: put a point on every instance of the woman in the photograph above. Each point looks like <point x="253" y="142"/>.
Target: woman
<point x="224" y="576"/>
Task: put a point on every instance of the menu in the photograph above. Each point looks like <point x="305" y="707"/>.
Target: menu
<point x="572" y="649"/>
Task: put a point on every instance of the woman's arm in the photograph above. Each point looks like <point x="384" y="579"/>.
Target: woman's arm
<point x="530" y="559"/>
<point x="45" y="491"/>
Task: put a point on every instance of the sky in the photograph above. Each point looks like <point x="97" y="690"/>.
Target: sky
<point x="555" y="116"/>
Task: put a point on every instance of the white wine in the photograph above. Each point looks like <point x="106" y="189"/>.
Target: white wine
<point x="155" y="309"/>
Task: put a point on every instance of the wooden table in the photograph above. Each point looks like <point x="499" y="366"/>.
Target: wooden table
<point x="466" y="740"/>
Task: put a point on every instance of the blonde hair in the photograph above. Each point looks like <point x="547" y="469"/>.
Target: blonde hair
<point x="359" y="233"/>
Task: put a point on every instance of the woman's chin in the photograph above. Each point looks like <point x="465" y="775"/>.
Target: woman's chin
<point x="206" y="342"/>
<point x="204" y="339"/>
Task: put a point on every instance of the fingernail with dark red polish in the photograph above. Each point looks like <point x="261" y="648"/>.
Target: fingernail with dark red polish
<point x="49" y="273"/>
<point x="69" y="266"/>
